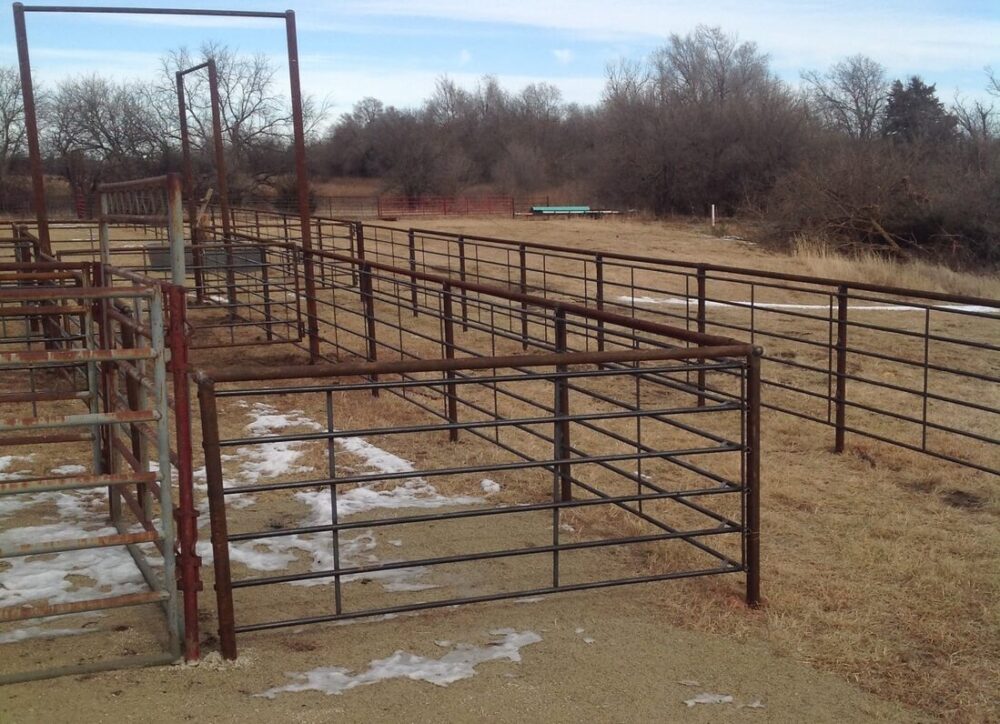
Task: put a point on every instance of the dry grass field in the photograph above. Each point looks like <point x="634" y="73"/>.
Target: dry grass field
<point x="880" y="574"/>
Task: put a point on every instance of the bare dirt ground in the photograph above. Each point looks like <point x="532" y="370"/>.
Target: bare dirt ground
<point x="881" y="599"/>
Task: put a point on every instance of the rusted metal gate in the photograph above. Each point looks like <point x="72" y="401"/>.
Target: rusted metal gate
<point x="56" y="354"/>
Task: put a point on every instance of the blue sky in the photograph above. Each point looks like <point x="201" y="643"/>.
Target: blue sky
<point x="395" y="49"/>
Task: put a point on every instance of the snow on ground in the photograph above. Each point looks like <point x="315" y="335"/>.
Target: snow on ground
<point x="709" y="698"/>
<point x="679" y="301"/>
<point x="271" y="460"/>
<point x="459" y="663"/>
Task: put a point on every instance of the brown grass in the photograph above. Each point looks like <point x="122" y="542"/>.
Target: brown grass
<point x="879" y="565"/>
<point x="820" y="259"/>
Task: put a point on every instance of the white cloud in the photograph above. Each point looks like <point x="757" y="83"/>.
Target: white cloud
<point x="798" y="35"/>
<point x="464" y="57"/>
<point x="563" y="56"/>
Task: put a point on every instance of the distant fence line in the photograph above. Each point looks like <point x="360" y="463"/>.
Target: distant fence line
<point x="385" y="206"/>
<point x="81" y="206"/>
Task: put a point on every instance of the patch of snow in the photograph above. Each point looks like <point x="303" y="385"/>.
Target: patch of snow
<point x="7" y="460"/>
<point x="69" y="470"/>
<point x="682" y="302"/>
<point x="269" y="460"/>
<point x="38" y="632"/>
<point x="490" y="486"/>
<point x="459" y="663"/>
<point x="755" y="704"/>
<point x="708" y="698"/>
<point x="396" y="543"/>
<point x="55" y="577"/>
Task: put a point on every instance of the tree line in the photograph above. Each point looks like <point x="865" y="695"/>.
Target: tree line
<point x="849" y="155"/>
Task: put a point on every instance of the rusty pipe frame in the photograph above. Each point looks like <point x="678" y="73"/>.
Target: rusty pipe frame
<point x="302" y="186"/>
<point x="31" y="130"/>
<point x="298" y="124"/>
<point x="221" y="174"/>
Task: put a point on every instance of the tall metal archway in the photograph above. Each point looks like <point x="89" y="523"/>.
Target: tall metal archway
<point x="298" y="125"/>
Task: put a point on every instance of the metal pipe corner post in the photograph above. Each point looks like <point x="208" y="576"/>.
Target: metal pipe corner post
<point x="186" y="513"/>
<point x="222" y="180"/>
<point x="31" y="130"/>
<point x="192" y="204"/>
<point x="752" y="481"/>
<point x="217" y="514"/>
<point x="175" y="229"/>
<point x="302" y="186"/>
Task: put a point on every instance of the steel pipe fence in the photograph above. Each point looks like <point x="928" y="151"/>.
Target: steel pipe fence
<point x="241" y="293"/>
<point x="69" y="341"/>
<point x="583" y="438"/>
<point x="911" y="368"/>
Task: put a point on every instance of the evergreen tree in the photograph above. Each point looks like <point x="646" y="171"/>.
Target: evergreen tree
<point x="914" y="113"/>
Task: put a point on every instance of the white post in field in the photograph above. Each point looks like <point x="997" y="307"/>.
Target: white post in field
<point x="713" y="215"/>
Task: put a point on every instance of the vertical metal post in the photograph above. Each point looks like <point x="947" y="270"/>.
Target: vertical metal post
<point x="412" y="243"/>
<point x="451" y="393"/>
<point x="31" y="130"/>
<point x="302" y="184"/>
<point x="217" y="513"/>
<point x="186" y="164"/>
<point x="359" y="239"/>
<point x="753" y="479"/>
<point x="461" y="275"/>
<point x="331" y="452"/>
<point x="222" y="181"/>
<point x="368" y="302"/>
<point x="187" y="168"/>
<point x="103" y="231"/>
<point x="186" y="513"/>
<point x="561" y="436"/>
<point x="175" y="229"/>
<point x="351" y="252"/>
<point x="523" y="258"/>
<point x="599" y="273"/>
<point x="841" y="394"/>
<point x="265" y="279"/>
<point x="158" y="343"/>
<point x="701" y="330"/>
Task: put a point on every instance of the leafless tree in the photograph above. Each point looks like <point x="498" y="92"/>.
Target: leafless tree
<point x="97" y="128"/>
<point x="11" y="118"/>
<point x="851" y="96"/>
<point x="256" y="117"/>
